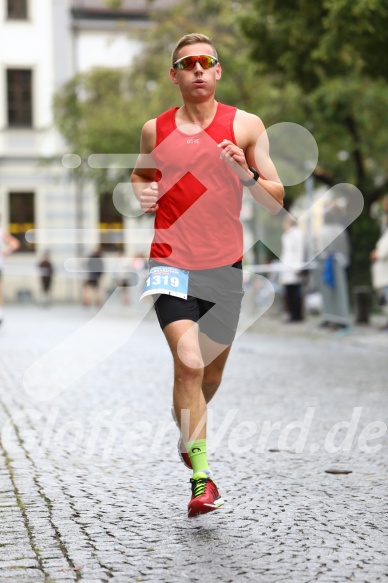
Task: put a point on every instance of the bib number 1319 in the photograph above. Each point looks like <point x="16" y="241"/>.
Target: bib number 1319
<point x="167" y="280"/>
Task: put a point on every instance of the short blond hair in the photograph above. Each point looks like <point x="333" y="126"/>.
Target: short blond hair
<point x="191" y="39"/>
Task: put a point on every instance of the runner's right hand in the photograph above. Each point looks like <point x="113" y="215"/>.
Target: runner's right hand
<point x="149" y="198"/>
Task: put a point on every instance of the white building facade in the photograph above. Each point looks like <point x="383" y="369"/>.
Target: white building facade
<point x="43" y="44"/>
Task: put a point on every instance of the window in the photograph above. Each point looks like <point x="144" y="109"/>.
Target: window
<point x="19" y="97"/>
<point x="22" y="217"/>
<point x="17" y="9"/>
<point x="111" y="225"/>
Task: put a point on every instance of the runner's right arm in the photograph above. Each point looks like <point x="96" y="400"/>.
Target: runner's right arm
<point x="143" y="178"/>
<point x="11" y="243"/>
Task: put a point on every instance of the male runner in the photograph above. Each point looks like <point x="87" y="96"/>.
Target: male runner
<point x="204" y="152"/>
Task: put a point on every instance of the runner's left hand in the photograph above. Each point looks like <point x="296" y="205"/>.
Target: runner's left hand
<point x="235" y="158"/>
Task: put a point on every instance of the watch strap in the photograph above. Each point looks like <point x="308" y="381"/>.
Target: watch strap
<point x="253" y="180"/>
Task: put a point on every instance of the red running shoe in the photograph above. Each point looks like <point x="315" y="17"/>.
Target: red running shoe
<point x="183" y="454"/>
<point x="205" y="495"/>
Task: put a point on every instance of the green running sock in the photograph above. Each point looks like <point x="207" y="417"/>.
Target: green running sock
<point x="197" y="454"/>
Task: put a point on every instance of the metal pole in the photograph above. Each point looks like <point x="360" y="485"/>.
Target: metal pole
<point x="309" y="189"/>
<point x="79" y="212"/>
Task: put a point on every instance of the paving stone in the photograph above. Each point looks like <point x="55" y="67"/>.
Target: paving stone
<point x="122" y="517"/>
<point x="22" y="576"/>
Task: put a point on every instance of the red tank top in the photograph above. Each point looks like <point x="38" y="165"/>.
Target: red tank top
<point x="197" y="225"/>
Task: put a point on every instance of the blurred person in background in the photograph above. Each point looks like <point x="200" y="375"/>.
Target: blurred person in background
<point x="95" y="269"/>
<point x="333" y="236"/>
<point x="292" y="256"/>
<point x="379" y="212"/>
<point x="46" y="271"/>
<point x="334" y="239"/>
<point x="123" y="276"/>
<point x="8" y="244"/>
<point x="379" y="258"/>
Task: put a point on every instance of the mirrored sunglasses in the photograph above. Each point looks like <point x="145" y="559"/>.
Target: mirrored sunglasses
<point x="188" y="63"/>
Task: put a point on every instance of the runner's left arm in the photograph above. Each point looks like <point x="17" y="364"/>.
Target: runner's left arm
<point x="253" y="150"/>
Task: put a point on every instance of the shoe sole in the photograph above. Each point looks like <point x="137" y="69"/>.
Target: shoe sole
<point x="192" y="513"/>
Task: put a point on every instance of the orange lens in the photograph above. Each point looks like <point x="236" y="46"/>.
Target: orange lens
<point x="188" y="63"/>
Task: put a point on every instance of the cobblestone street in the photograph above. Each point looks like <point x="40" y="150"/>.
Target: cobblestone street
<point x="92" y="488"/>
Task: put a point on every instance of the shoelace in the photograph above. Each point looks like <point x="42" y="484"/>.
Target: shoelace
<point x="198" y="486"/>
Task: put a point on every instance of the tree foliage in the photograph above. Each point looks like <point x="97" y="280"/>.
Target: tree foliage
<point x="319" y="64"/>
<point x="96" y="114"/>
<point x="103" y="111"/>
<point x="332" y="54"/>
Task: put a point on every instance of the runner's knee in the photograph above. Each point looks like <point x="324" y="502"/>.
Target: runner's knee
<point x="188" y="356"/>
<point x="190" y="371"/>
<point x="212" y="380"/>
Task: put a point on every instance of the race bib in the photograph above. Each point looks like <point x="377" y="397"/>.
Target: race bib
<point x="167" y="280"/>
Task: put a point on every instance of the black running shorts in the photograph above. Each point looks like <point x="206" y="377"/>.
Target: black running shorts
<point x="214" y="301"/>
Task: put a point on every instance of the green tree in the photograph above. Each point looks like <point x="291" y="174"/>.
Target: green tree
<point x="332" y="53"/>
<point x="330" y="57"/>
<point x="95" y="113"/>
<point x="102" y="111"/>
<point x="321" y="65"/>
<point x="318" y="64"/>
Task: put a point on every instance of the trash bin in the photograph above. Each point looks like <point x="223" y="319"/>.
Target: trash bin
<point x="362" y="303"/>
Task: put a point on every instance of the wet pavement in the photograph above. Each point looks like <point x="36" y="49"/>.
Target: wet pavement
<point x="91" y="487"/>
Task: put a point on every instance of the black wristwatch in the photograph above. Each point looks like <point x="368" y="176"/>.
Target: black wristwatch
<point x="252" y="181"/>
